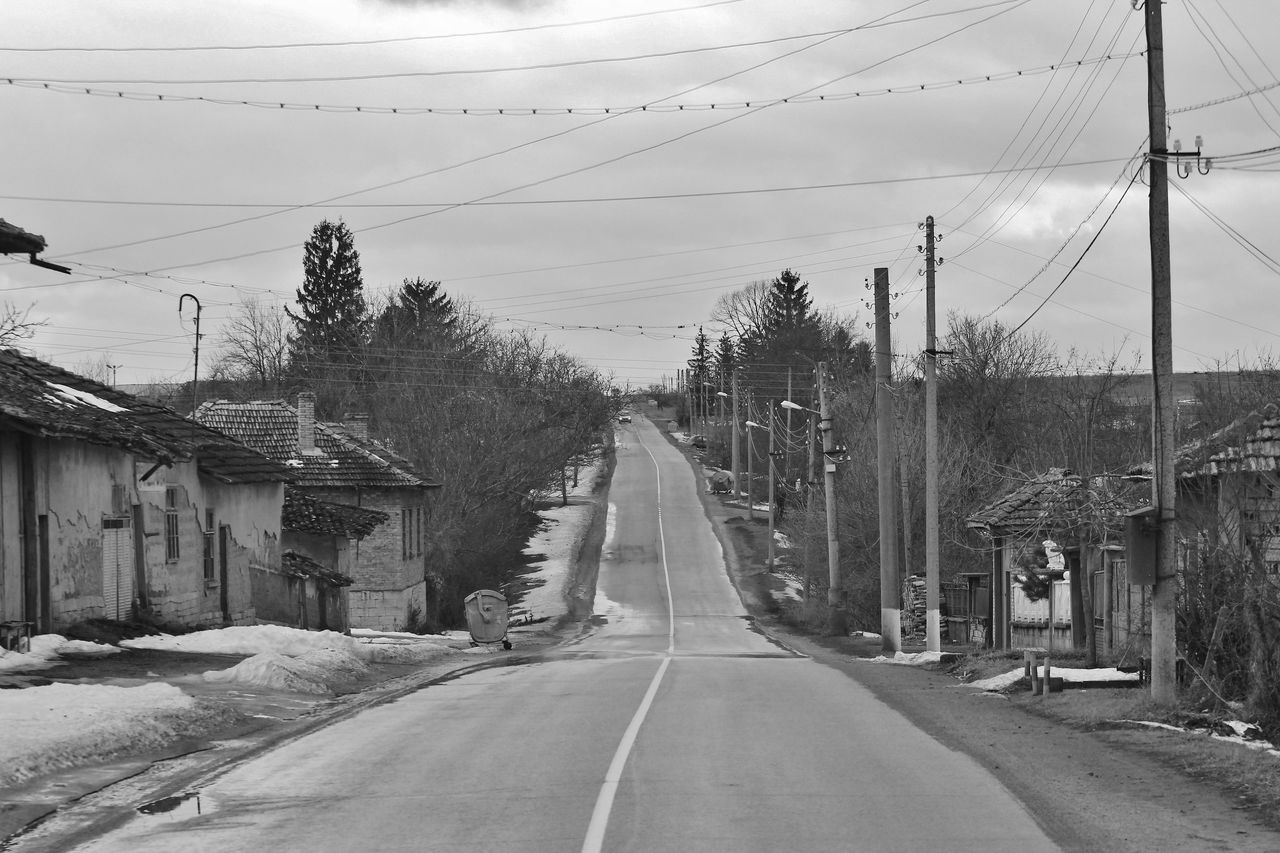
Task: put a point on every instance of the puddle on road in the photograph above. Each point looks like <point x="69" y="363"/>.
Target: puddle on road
<point x="177" y="807"/>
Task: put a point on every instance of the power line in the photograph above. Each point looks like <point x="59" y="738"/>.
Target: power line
<point x="366" y="42"/>
<point x="529" y="111"/>
<point x="495" y="202"/>
<point x="467" y="162"/>
<point x="1096" y="235"/>
<point x="449" y="72"/>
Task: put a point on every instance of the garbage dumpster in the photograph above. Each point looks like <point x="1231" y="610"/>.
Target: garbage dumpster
<point x="486" y="612"/>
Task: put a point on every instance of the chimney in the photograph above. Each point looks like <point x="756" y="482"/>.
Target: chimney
<point x="357" y="423"/>
<point x="307" y="424"/>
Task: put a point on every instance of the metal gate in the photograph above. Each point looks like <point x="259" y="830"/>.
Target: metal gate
<point x="117" y="569"/>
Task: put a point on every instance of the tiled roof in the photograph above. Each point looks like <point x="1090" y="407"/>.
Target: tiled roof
<point x="1251" y="443"/>
<point x="43" y="399"/>
<point x="1029" y="506"/>
<point x="309" y="514"/>
<point x="301" y="566"/>
<point x="1056" y="499"/>
<point x="341" y="460"/>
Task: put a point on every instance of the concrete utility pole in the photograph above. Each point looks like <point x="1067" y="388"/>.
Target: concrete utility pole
<point x="933" y="624"/>
<point x="1163" y="485"/>
<point x="773" y="479"/>
<point x="837" y="623"/>
<point x="736" y="460"/>
<point x="890" y="608"/>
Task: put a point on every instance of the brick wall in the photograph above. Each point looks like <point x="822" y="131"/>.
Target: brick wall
<point x="384" y="609"/>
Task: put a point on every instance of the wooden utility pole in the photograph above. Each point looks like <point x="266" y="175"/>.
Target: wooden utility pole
<point x="1163" y="484"/>
<point x="837" y="622"/>
<point x="890" y="608"/>
<point x="933" y="623"/>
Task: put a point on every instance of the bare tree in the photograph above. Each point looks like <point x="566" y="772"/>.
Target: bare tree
<point x="16" y="324"/>
<point x="742" y="311"/>
<point x="254" y="347"/>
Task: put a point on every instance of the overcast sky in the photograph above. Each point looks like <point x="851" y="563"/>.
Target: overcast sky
<point x="629" y="221"/>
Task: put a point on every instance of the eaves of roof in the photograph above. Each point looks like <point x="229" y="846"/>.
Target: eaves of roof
<point x="42" y="399"/>
<point x="308" y="514"/>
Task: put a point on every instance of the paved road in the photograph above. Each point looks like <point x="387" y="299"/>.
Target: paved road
<point x="668" y="725"/>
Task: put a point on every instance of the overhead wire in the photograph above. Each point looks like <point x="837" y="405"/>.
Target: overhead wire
<point x="448" y="72"/>
<point x="617" y="158"/>
<point x="1078" y="260"/>
<point x="574" y="200"/>
<point x="1049" y="140"/>
<point x="1026" y="119"/>
<point x="550" y="111"/>
<point x="467" y="162"/>
<point x="368" y="42"/>
<point x="1203" y="25"/>
<point x="1244" y="242"/>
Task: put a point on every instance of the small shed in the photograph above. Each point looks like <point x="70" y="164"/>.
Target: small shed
<point x="1081" y="515"/>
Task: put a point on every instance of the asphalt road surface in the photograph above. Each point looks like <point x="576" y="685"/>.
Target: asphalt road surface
<point x="669" y="724"/>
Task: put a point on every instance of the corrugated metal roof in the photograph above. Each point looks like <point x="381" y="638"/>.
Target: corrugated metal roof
<point x="341" y="460"/>
<point x="46" y="400"/>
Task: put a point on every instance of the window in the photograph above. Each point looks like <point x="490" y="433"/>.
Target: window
<point x="411" y="532"/>
<point x="171" y="549"/>
<point x="209" y="575"/>
<point x="404" y="534"/>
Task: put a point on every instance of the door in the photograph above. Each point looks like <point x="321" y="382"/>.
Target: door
<point x="117" y="568"/>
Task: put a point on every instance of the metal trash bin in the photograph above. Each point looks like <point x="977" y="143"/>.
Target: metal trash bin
<point x="486" y="612"/>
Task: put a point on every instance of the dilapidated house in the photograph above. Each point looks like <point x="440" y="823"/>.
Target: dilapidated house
<point x="110" y="505"/>
<point x="319" y="547"/>
<point x="340" y="464"/>
<point x="1058" y="512"/>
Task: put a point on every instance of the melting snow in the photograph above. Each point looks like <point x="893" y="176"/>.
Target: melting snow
<point x="79" y="397"/>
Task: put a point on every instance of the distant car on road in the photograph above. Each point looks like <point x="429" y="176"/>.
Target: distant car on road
<point x="699" y="441"/>
<point x="624" y="418"/>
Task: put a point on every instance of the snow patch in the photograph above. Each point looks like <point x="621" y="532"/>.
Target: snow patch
<point x="246" y="640"/>
<point x="78" y="397"/>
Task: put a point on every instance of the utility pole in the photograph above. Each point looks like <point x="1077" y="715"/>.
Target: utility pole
<point x="112" y="368"/>
<point x="736" y="460"/>
<point x="786" y="460"/>
<point x="773" y="477"/>
<point x="751" y="501"/>
<point x="195" y="378"/>
<point x="1163" y="485"/>
<point x="837" y="623"/>
<point x="933" y="622"/>
<point x="890" y="607"/>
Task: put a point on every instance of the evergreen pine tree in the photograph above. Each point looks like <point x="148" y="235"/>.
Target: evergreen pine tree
<point x="332" y="319"/>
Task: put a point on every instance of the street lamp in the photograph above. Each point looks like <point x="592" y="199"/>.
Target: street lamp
<point x="809" y="477"/>
<point x="734" y="456"/>
<point x="837" y="625"/>
<point x="772" y="480"/>
<point x="751" y="504"/>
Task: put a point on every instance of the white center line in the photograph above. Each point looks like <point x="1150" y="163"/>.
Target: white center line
<point x="604" y="800"/>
